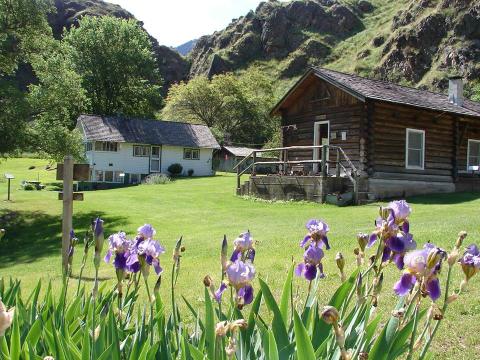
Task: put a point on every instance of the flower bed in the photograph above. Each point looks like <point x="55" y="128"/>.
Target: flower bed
<point x="100" y="323"/>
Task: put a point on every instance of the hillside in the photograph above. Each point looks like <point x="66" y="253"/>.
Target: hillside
<point x="408" y="41"/>
<point x="185" y="48"/>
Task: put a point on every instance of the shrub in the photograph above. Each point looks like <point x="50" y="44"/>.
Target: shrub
<point x="190" y="172"/>
<point x="49" y="323"/>
<point x="28" y="187"/>
<point x="156" y="179"/>
<point x="175" y="169"/>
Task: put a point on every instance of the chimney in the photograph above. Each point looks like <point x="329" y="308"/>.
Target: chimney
<point x="455" y="90"/>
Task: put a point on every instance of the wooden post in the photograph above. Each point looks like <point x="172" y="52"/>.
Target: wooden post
<point x="254" y="161"/>
<point x="337" y="165"/>
<point x="324" y="160"/>
<point x="238" y="180"/>
<point x="67" y="209"/>
<point x="8" y="194"/>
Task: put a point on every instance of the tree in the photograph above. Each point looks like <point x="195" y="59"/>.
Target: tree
<point x="233" y="106"/>
<point x="115" y="61"/>
<point x="57" y="101"/>
<point x="21" y="21"/>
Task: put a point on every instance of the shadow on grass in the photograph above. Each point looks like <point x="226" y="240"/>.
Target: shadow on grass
<point x="31" y="235"/>
<point x="445" y="199"/>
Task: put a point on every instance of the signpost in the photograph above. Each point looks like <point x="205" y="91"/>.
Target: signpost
<point x="68" y="171"/>
<point x="9" y="177"/>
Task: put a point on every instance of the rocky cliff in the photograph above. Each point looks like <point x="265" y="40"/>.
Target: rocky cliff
<point x="417" y="42"/>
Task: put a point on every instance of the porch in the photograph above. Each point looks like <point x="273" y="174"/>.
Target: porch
<point x="329" y="173"/>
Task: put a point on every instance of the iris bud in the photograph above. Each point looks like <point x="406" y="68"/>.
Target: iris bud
<point x="377" y="284"/>
<point x="221" y="329"/>
<point x="6" y="318"/>
<point x="223" y="257"/>
<point x="330" y="315"/>
<point x="2" y="233"/>
<point x="207" y="281"/>
<point x="469" y="271"/>
<point x="461" y="236"/>
<point x="434" y="257"/>
<point x="362" y="240"/>
<point x="340" y="261"/>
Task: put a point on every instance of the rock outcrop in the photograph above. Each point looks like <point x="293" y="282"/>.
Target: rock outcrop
<point x="276" y="30"/>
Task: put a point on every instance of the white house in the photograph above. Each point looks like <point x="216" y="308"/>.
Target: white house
<point x="125" y="150"/>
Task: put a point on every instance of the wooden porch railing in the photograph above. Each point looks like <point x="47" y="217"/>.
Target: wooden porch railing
<point x="348" y="168"/>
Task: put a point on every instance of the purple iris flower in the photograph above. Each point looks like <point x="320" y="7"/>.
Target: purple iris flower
<point x="317" y="233"/>
<point x="470" y="261"/>
<point x="119" y="245"/>
<point x="148" y="250"/>
<point x="312" y="260"/>
<point x="422" y="266"/>
<point x="242" y="245"/>
<point x="146" y="231"/>
<point x="240" y="275"/>
<point x="392" y="228"/>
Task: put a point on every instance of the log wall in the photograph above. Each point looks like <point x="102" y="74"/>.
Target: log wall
<point x="323" y="102"/>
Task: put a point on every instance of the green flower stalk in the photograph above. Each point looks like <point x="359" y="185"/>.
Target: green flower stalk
<point x="331" y="316"/>
<point x="2" y="233"/>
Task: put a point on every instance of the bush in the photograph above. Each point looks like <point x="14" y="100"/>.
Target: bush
<point x="349" y="327"/>
<point x="28" y="187"/>
<point x="190" y="172"/>
<point x="156" y="179"/>
<point x="175" y="169"/>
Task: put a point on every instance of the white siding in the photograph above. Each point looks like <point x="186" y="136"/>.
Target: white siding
<point x="121" y="160"/>
<point x="174" y="154"/>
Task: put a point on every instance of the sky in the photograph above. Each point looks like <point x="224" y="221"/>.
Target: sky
<point x="174" y="22"/>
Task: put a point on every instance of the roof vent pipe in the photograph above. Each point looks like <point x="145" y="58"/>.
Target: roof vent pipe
<point x="455" y="90"/>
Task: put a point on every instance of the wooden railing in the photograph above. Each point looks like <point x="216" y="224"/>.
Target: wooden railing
<point x="348" y="168"/>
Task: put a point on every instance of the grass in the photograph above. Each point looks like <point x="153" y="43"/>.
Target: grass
<point x="203" y="210"/>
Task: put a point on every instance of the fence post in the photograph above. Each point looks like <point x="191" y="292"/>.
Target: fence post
<point x="238" y="180"/>
<point x="324" y="160"/>
<point x="337" y="166"/>
<point x="254" y="161"/>
<point x="67" y="209"/>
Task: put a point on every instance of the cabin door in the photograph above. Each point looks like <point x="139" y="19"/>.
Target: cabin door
<point x="155" y="156"/>
<point x="321" y="136"/>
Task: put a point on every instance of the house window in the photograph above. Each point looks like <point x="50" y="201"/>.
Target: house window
<point x="191" y="154"/>
<point x="473" y="155"/>
<point x="99" y="175"/>
<point x="106" y="146"/>
<point x="140" y="150"/>
<point x="415" y="149"/>
<point x="88" y="146"/>
<point x="109" y="176"/>
<point x="135" y="178"/>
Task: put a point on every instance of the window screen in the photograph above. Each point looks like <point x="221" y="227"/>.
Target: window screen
<point x="415" y="148"/>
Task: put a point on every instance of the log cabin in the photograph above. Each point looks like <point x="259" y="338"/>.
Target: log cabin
<point x="399" y="140"/>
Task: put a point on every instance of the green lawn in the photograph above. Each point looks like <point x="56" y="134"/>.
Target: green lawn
<point x="203" y="210"/>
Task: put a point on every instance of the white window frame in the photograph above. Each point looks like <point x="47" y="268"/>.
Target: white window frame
<point x="145" y="147"/>
<point x="108" y="146"/>
<point x="192" y="151"/>
<point x="468" y="153"/>
<point x="418" y="131"/>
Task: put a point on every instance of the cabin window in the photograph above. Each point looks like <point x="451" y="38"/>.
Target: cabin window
<point x="106" y="146"/>
<point x="98" y="175"/>
<point x="88" y="146"/>
<point x="415" y="149"/>
<point x="191" y="154"/>
<point x="140" y="150"/>
<point x="473" y="155"/>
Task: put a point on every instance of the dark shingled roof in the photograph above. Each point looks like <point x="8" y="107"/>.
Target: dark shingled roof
<point x="140" y="131"/>
<point x="364" y="88"/>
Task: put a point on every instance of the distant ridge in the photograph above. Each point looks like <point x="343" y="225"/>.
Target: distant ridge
<point x="185" y="48"/>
